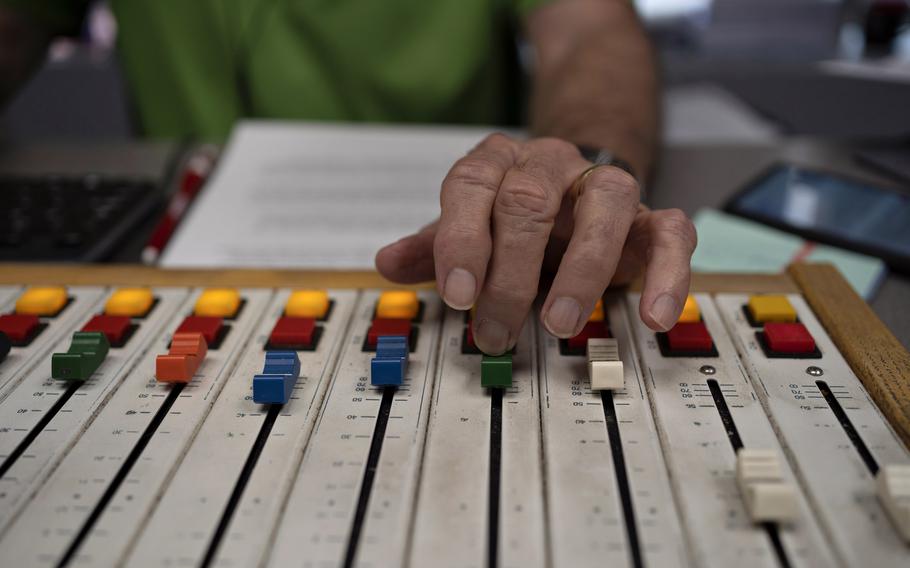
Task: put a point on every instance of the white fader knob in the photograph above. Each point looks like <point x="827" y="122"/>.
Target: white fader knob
<point x="604" y="366"/>
<point x="893" y="483"/>
<point x="767" y="496"/>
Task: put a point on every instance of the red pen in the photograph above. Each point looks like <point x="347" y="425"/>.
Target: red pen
<point x="197" y="169"/>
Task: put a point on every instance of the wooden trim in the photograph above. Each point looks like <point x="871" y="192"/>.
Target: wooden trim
<point x="138" y="275"/>
<point x="874" y="354"/>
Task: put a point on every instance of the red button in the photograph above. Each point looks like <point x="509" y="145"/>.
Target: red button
<point x="18" y="327"/>
<point x="385" y="326"/>
<point x="208" y="326"/>
<point x="291" y="332"/>
<point x="114" y="327"/>
<point x="469" y="337"/>
<point x="690" y="338"/>
<point x="592" y="329"/>
<point x="788" y="338"/>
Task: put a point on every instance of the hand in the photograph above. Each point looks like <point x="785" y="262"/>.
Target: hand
<point x="507" y="213"/>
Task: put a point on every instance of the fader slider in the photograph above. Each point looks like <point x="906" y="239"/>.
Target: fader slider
<point x="767" y="496"/>
<point x="893" y="486"/>
<point x="604" y="365"/>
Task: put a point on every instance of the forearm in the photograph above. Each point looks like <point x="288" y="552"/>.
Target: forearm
<point x="595" y="79"/>
<point x="22" y="48"/>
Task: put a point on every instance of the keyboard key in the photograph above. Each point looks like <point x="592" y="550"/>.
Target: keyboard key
<point x="591" y="330"/>
<point x="384" y="326"/>
<point x="19" y="328"/>
<point x="398" y="304"/>
<point x="689" y="338"/>
<point x="307" y="304"/>
<point x="293" y="332"/>
<point x="691" y="312"/>
<point x="44" y="301"/>
<point x="218" y="302"/>
<point x="209" y="327"/>
<point x="115" y="328"/>
<point x="598" y="313"/>
<point x="788" y="338"/>
<point x="765" y="309"/>
<point x="130" y="302"/>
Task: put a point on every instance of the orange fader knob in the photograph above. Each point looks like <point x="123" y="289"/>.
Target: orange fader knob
<point x="180" y="364"/>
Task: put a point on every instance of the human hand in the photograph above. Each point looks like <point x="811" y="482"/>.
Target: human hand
<point x="508" y="213"/>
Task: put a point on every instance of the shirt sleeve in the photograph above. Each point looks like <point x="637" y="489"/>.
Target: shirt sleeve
<point x="59" y="17"/>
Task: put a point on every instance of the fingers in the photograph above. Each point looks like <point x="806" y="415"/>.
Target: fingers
<point x="603" y="215"/>
<point x="410" y="259"/>
<point x="463" y="242"/>
<point x="671" y="241"/>
<point x="523" y="214"/>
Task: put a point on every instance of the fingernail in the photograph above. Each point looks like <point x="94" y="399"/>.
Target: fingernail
<point x="563" y="317"/>
<point x="460" y="289"/>
<point x="491" y="337"/>
<point x="664" y="311"/>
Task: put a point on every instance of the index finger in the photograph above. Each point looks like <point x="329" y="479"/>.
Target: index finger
<point x="463" y="242"/>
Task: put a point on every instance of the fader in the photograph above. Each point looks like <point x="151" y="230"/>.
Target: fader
<point x="248" y="418"/>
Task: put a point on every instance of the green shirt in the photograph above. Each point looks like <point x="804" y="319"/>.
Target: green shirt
<point x="196" y="66"/>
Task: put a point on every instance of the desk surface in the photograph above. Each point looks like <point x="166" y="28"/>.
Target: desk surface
<point x="695" y="176"/>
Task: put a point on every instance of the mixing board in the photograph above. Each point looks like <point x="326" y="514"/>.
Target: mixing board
<point x="155" y="418"/>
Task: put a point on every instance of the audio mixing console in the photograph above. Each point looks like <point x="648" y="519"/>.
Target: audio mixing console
<point x="150" y="418"/>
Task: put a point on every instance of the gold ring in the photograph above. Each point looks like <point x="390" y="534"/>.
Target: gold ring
<point x="578" y="186"/>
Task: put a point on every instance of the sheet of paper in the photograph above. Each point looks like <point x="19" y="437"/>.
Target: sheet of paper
<point x="727" y="243"/>
<point x="311" y="195"/>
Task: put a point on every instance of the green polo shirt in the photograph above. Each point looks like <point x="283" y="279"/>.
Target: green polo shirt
<point x="196" y="66"/>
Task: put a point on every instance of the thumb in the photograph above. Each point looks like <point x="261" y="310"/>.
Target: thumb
<point x="409" y="260"/>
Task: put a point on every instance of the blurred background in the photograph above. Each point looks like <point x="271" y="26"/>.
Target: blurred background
<point x="733" y="69"/>
<point x="748" y="84"/>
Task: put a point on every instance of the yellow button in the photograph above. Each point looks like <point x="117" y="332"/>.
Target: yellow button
<point x="598" y="313"/>
<point x="307" y="304"/>
<point x="771" y="308"/>
<point x="132" y="302"/>
<point x="42" y="301"/>
<point x="400" y="304"/>
<point x="219" y="302"/>
<point x="690" y="313"/>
